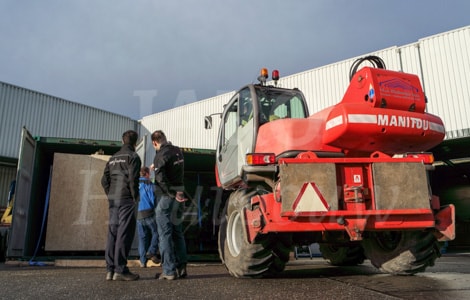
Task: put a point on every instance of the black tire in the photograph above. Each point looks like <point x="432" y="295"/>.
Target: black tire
<point x="401" y="253"/>
<point x="266" y="256"/>
<point x="342" y="255"/>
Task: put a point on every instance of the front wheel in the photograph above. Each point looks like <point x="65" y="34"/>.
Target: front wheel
<point x="264" y="256"/>
<point x="401" y="252"/>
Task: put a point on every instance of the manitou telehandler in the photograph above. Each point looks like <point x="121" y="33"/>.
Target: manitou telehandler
<point x="352" y="177"/>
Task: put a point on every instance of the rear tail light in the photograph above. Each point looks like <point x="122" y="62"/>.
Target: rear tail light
<point x="425" y="157"/>
<point x="260" y="158"/>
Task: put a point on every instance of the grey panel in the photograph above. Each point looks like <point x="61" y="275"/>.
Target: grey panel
<point x="294" y="176"/>
<point x="78" y="207"/>
<point x="393" y="190"/>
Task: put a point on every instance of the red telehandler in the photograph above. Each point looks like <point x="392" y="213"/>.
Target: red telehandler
<point x="352" y="177"/>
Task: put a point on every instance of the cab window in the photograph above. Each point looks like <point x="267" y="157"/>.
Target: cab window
<point x="230" y="122"/>
<point x="279" y="104"/>
<point x="246" y="106"/>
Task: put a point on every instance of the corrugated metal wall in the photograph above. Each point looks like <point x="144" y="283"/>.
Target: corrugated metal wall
<point x="50" y="116"/>
<point x="442" y="62"/>
<point x="446" y="71"/>
<point x="184" y="125"/>
<point x="325" y="86"/>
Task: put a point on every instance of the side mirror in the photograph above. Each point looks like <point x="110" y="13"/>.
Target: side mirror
<point x="208" y="122"/>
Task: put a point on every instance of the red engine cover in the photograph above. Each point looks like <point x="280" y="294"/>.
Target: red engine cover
<point x="383" y="111"/>
<point x="363" y="128"/>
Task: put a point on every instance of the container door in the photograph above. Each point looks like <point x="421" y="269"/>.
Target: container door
<point x="140" y="150"/>
<point x="227" y="146"/>
<point x="20" y="216"/>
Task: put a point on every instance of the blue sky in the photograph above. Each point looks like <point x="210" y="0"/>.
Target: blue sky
<point x="107" y="54"/>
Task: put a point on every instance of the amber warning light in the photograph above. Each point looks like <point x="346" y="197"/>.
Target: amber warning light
<point x="263" y="76"/>
<point x="264" y="72"/>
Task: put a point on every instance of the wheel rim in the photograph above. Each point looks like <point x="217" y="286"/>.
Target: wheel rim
<point x="234" y="233"/>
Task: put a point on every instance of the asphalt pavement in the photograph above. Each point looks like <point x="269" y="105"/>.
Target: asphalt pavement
<point x="304" y="278"/>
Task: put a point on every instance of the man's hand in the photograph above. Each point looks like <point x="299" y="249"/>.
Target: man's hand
<point x="180" y="197"/>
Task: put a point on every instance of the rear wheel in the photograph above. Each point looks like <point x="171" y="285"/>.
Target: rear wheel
<point x="342" y="255"/>
<point x="266" y="255"/>
<point x="401" y="253"/>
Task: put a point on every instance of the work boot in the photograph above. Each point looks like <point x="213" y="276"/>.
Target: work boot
<point x="155" y="260"/>
<point x="109" y="275"/>
<point x="152" y="264"/>
<point x="181" y="271"/>
<point x="164" y="276"/>
<point x="128" y="276"/>
<point x="153" y="257"/>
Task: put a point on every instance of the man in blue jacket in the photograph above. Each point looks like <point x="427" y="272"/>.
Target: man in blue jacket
<point x="120" y="182"/>
<point x="146" y="223"/>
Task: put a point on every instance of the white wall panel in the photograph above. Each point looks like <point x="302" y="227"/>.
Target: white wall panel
<point x="410" y="60"/>
<point x="325" y="86"/>
<point x="446" y="71"/>
<point x="184" y="125"/>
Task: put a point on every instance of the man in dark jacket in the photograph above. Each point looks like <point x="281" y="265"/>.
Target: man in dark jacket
<point x="120" y="182"/>
<point x="169" y="170"/>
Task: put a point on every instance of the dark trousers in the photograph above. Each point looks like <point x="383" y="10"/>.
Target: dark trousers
<point x="148" y="238"/>
<point x="121" y="231"/>
<point x="169" y="214"/>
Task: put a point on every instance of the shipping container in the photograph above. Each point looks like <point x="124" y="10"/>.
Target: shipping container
<point x="61" y="210"/>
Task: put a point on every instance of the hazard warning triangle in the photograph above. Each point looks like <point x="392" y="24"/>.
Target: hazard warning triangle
<point x="310" y="199"/>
